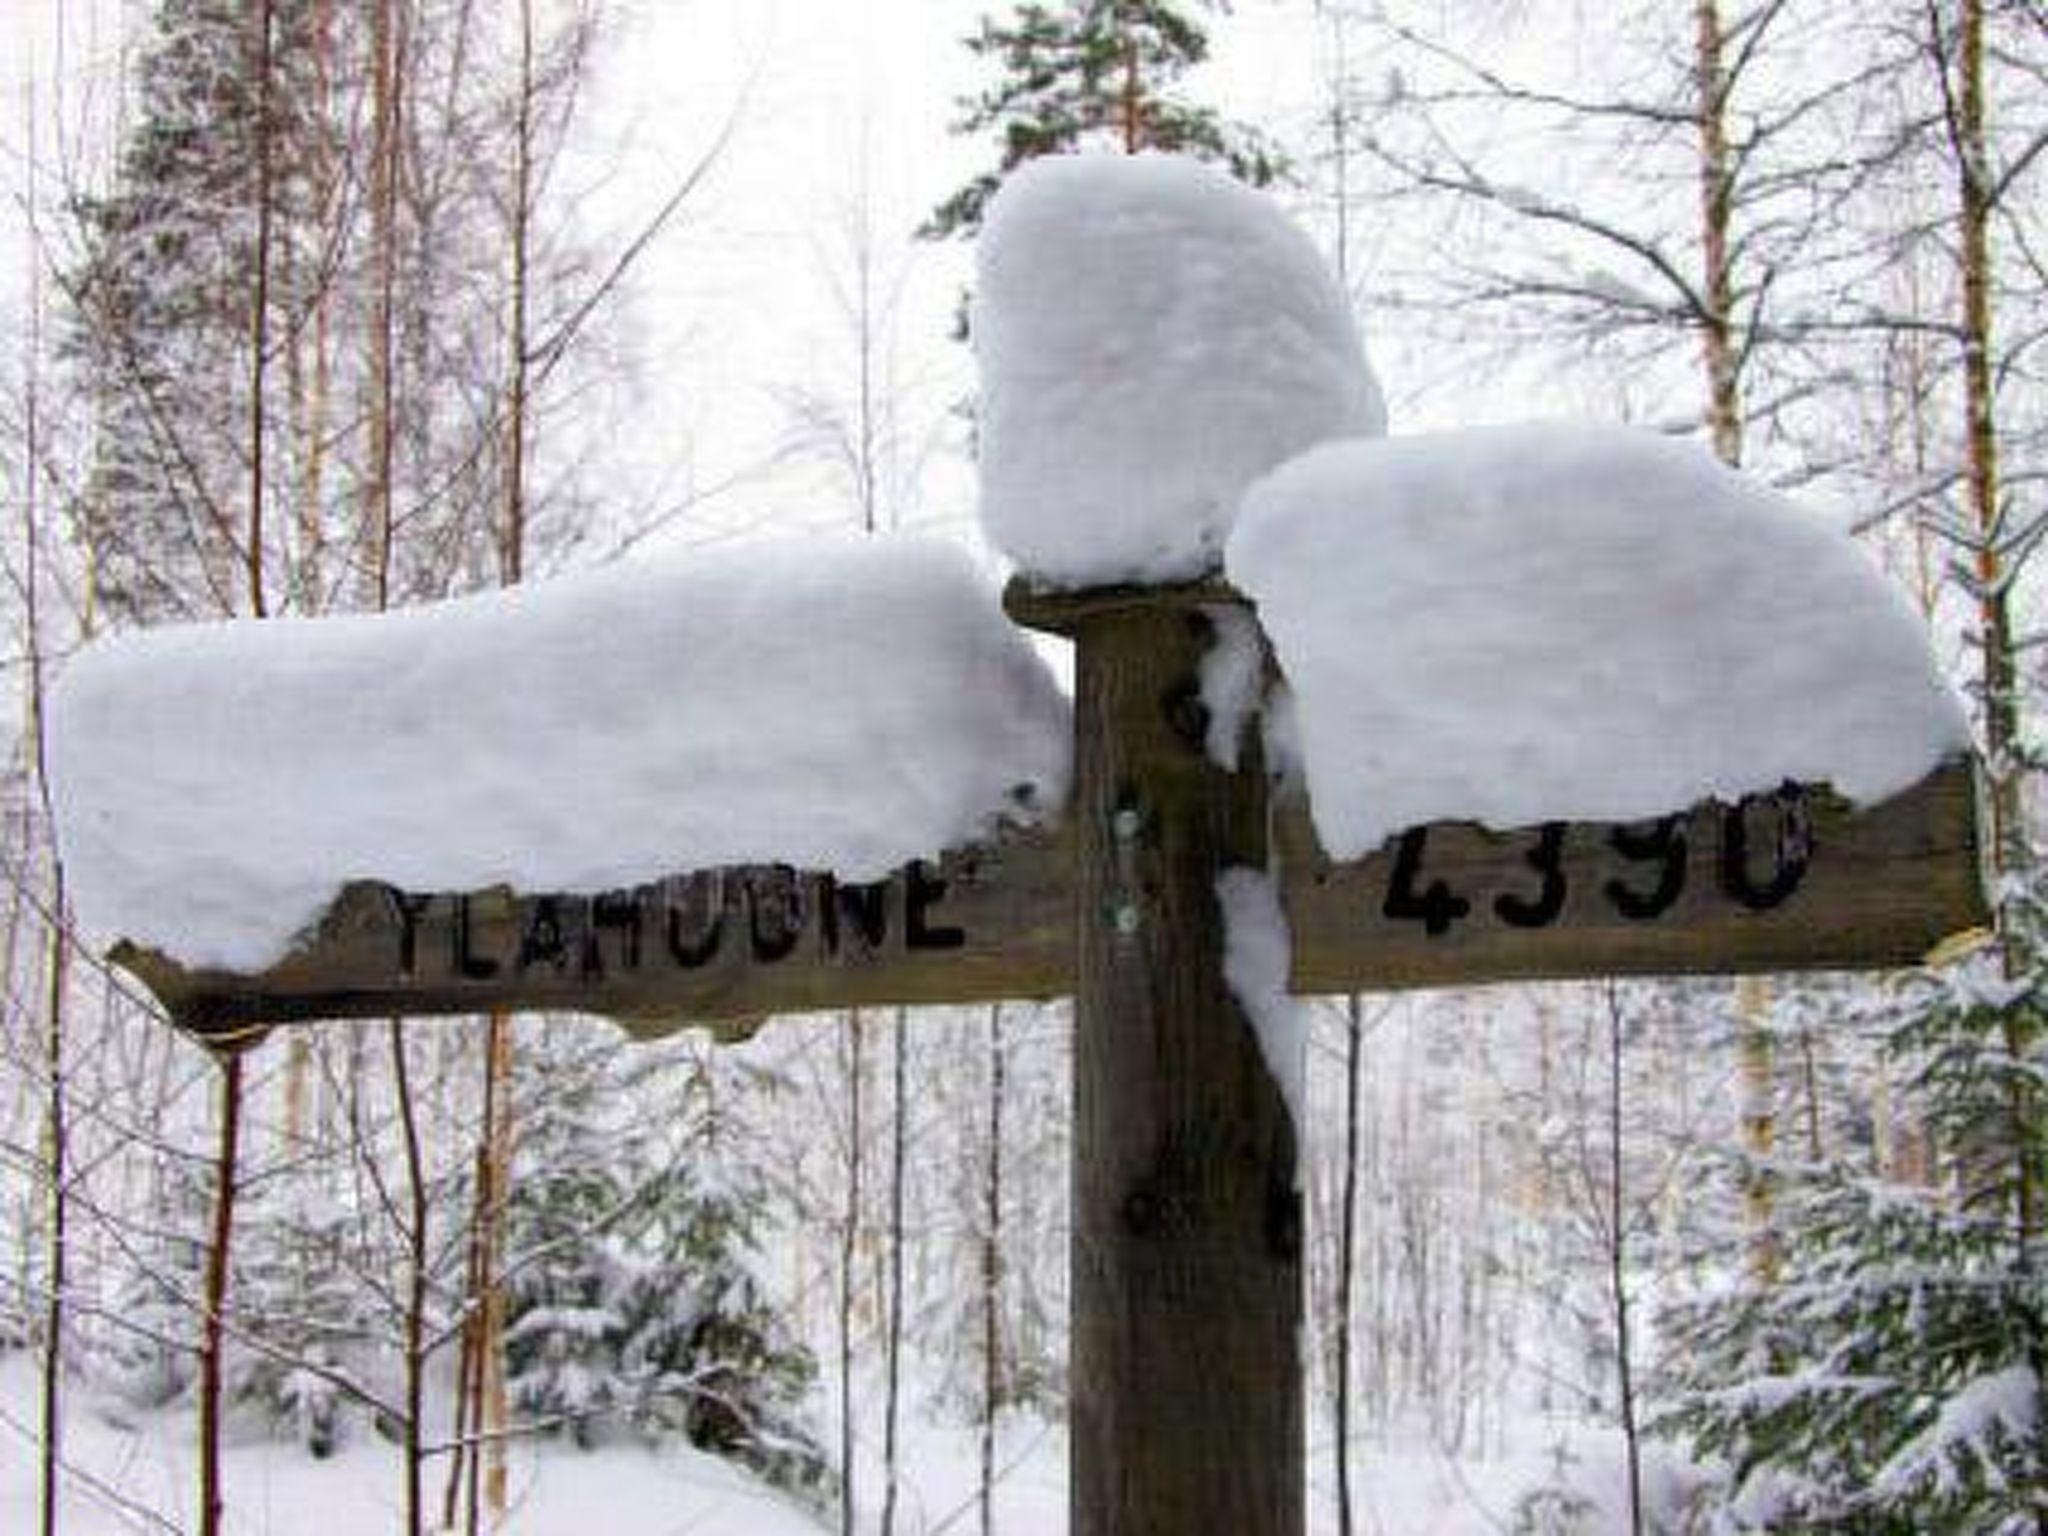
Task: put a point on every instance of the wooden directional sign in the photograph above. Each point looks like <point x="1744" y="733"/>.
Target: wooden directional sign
<point x="721" y="948"/>
<point x="1185" y="1214"/>
<point x="1795" y="879"/>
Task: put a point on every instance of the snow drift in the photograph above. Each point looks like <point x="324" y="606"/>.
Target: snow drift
<point x="1520" y="624"/>
<point x="840" y="704"/>
<point x="1152" y="336"/>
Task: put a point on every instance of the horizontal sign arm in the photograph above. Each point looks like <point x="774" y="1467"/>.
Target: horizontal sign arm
<point x="722" y="948"/>
<point x="1796" y="879"/>
<point x="1790" y="880"/>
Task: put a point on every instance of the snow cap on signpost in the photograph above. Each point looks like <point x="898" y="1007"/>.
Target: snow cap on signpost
<point x="223" y="781"/>
<point x="1513" y="625"/>
<point x="1153" y="336"/>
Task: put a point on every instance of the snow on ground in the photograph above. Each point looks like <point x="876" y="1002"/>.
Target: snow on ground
<point x="1152" y="336"/>
<point x="839" y="704"/>
<point x="1520" y="624"/>
<point x="137" y="1473"/>
<point x="1566" y="1475"/>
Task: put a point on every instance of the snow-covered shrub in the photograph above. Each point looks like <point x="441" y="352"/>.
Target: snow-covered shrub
<point x="1888" y="1377"/>
<point x="632" y="1303"/>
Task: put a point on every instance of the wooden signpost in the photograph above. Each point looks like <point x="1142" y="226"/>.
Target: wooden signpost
<point x="1185" y="1385"/>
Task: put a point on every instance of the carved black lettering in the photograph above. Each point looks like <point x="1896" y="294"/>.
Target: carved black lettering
<point x="469" y="965"/>
<point x="618" y="912"/>
<point x="775" y="912"/>
<point x="862" y="910"/>
<point x="706" y="893"/>
<point x="1792" y="849"/>
<point x="409" y="910"/>
<point x="923" y="890"/>
<point x="541" y="940"/>
<point x="1546" y="858"/>
<point x="1664" y="843"/>
<point x="1435" y="908"/>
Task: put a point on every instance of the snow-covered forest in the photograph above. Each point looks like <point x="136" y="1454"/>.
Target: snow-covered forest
<point x="318" y="308"/>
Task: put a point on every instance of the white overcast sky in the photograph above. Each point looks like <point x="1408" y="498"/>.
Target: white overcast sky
<point x="733" y="308"/>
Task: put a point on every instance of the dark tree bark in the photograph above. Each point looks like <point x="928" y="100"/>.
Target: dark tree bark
<point x="227" y="1151"/>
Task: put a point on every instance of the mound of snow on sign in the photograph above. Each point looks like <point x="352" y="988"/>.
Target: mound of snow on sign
<point x="841" y="704"/>
<point x="1521" y="624"/>
<point x="1153" y="336"/>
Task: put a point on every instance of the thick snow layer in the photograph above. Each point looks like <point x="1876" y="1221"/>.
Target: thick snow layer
<point x="842" y="704"/>
<point x="1257" y="956"/>
<point x="1513" y="625"/>
<point x="1153" y="335"/>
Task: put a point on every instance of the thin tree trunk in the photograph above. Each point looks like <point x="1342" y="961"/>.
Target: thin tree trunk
<point x="992" y="1273"/>
<point x="1337" y="21"/>
<point x="461" y="1462"/>
<point x="57" y="1158"/>
<point x="56" y="1134"/>
<point x="1976" y="203"/>
<point x="1974" y="208"/>
<point x="1759" y="1125"/>
<point x="490" y="1415"/>
<point x="849" y="1252"/>
<point x="1347" y="1247"/>
<point x="1720" y="358"/>
<point x="308" y="405"/>
<point x="298" y="1072"/>
<point x="1809" y="1068"/>
<point x="416" y="1286"/>
<point x="312" y="399"/>
<point x="894" y="1368"/>
<point x="384" y="97"/>
<point x="1617" y="1271"/>
<point x="219" y="1254"/>
<point x="1717" y="185"/>
<point x="212" y="1500"/>
<point x="259" y="309"/>
<point x="513" y="533"/>
<point x="1132" y="103"/>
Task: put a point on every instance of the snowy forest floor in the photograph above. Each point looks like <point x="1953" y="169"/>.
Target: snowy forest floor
<point x="133" y="1473"/>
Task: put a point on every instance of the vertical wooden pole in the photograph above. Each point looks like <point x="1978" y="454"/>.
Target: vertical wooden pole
<point x="1186" y="1385"/>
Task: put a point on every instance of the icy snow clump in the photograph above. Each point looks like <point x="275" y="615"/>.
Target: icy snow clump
<point x="1519" y="624"/>
<point x="843" y="704"/>
<point x="1153" y="335"/>
<point x="1257" y="957"/>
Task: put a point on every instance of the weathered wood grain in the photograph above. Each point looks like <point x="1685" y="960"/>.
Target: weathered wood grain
<point x="1185" y="1385"/>
<point x="1881" y="886"/>
<point x="1795" y="881"/>
<point x="721" y="949"/>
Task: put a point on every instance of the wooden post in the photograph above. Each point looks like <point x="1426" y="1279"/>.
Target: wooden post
<point x="1185" y="1385"/>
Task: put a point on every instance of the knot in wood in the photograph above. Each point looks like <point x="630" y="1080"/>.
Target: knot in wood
<point x="1143" y="1213"/>
<point x="1188" y="715"/>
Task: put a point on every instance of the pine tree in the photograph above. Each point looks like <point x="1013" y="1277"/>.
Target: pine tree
<point x="1088" y="73"/>
<point x="1894" y="1382"/>
<point x="632" y="1298"/>
<point x="212" y="182"/>
<point x="1891" y="1379"/>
